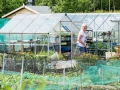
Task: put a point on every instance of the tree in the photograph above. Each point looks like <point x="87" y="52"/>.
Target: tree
<point x="75" y="6"/>
<point x="63" y="6"/>
<point x="70" y="6"/>
<point x="9" y="5"/>
<point x="85" y="5"/>
<point x="41" y="2"/>
<point x="1" y="7"/>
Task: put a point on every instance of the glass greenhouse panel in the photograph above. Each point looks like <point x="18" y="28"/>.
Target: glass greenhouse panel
<point x="23" y="24"/>
<point x="15" y="42"/>
<point x="19" y="42"/>
<point x="77" y="17"/>
<point x="37" y="23"/>
<point x="12" y="24"/>
<point x="2" y="38"/>
<point x="28" y="42"/>
<point x="66" y="26"/>
<point x="47" y="44"/>
<point x="92" y="20"/>
<point x="69" y="27"/>
<point x="58" y="28"/>
<point x="74" y="46"/>
<point x="44" y="29"/>
<point x="4" y="43"/>
<point x="116" y="31"/>
<point x="50" y="23"/>
<point x="57" y="16"/>
<point x="65" y="19"/>
<point x="28" y="37"/>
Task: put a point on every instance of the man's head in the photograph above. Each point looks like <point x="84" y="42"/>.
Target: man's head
<point x="84" y="26"/>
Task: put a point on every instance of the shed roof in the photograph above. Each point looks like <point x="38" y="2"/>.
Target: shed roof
<point x="35" y="9"/>
<point x="40" y="9"/>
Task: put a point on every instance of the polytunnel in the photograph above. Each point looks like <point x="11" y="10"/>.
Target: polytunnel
<point x="38" y="32"/>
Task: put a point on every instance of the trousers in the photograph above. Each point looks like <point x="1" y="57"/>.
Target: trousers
<point x="82" y="49"/>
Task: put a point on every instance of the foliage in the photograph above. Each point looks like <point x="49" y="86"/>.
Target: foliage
<point x="70" y="6"/>
<point x="64" y="6"/>
<point x="10" y="81"/>
<point x="1" y="59"/>
<point x="29" y="82"/>
<point x="7" y="6"/>
<point x="61" y="57"/>
<point x="1" y="3"/>
<point x="75" y="6"/>
<point x="87" y="58"/>
<point x="99" y="46"/>
<point x="56" y="56"/>
<point x="99" y="11"/>
<point x="28" y="55"/>
<point x="114" y="58"/>
<point x="41" y="2"/>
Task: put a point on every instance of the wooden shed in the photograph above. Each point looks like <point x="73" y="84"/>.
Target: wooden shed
<point x="28" y="10"/>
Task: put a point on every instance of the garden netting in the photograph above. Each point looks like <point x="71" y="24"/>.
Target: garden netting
<point x="103" y="74"/>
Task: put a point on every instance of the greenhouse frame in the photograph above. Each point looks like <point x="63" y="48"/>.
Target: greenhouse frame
<point x="46" y="31"/>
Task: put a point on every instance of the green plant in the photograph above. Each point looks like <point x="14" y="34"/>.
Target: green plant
<point x="1" y="59"/>
<point x="99" y="46"/>
<point x="29" y="82"/>
<point x="99" y="11"/>
<point x="61" y="57"/>
<point x="114" y="58"/>
<point x="56" y="56"/>
<point x="87" y="58"/>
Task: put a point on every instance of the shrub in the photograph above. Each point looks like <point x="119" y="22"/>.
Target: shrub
<point x="87" y="58"/>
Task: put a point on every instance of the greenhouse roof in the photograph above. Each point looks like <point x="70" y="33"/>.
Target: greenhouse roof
<point x="47" y="23"/>
<point x="37" y="23"/>
<point x="96" y="21"/>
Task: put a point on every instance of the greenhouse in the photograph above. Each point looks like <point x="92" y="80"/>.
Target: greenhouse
<point x="31" y="48"/>
<point x="44" y="32"/>
<point x="24" y="31"/>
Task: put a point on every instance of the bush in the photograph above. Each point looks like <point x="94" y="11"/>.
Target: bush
<point x="87" y="58"/>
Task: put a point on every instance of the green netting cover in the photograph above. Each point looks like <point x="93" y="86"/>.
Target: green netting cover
<point x="3" y="21"/>
<point x="102" y="73"/>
